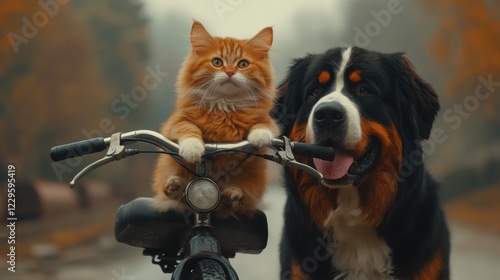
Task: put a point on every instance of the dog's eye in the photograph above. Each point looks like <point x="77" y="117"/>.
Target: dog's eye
<point x="364" y="90"/>
<point x="315" y="92"/>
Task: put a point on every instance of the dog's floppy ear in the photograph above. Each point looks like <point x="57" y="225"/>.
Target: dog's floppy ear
<point x="290" y="95"/>
<point x="418" y="100"/>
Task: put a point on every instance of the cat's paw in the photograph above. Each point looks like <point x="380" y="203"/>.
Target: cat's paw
<point x="174" y="188"/>
<point x="191" y="149"/>
<point x="260" y="137"/>
<point x="231" y="197"/>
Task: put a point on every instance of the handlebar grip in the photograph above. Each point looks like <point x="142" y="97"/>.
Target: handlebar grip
<point x="316" y="151"/>
<point x="77" y="149"/>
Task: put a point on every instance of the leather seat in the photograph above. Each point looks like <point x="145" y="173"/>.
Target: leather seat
<point x="140" y="224"/>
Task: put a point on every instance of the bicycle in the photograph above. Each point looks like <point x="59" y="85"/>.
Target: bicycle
<point x="190" y="245"/>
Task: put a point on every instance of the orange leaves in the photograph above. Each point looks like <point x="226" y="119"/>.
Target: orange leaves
<point x="10" y="14"/>
<point x="49" y="87"/>
<point x="467" y="43"/>
<point x="440" y="46"/>
<point x="59" y="81"/>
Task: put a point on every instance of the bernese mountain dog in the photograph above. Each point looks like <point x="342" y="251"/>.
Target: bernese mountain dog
<point x="376" y="214"/>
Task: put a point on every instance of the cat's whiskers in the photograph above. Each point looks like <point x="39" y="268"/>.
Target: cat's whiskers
<point x="259" y="90"/>
<point x="211" y="87"/>
<point x="197" y="87"/>
<point x="208" y="90"/>
<point x="252" y="93"/>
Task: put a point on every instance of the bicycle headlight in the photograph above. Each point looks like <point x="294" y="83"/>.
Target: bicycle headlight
<point x="202" y="194"/>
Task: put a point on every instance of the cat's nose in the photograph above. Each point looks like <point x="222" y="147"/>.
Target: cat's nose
<point x="230" y="73"/>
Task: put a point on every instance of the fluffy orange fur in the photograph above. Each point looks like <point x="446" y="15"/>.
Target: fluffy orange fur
<point x="209" y="110"/>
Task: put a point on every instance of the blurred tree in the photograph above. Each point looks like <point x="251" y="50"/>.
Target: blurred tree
<point x="50" y="85"/>
<point x="467" y="42"/>
<point x="119" y="34"/>
<point x="61" y="68"/>
<point x="170" y="45"/>
<point x="120" y="39"/>
<point x="12" y="67"/>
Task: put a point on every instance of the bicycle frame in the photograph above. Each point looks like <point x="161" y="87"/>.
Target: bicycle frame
<point x="202" y="245"/>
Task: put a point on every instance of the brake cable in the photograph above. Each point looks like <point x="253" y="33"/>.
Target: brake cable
<point x="165" y="151"/>
<point x="175" y="157"/>
<point x="230" y="170"/>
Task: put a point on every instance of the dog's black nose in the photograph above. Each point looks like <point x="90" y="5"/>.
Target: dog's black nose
<point x="329" y="114"/>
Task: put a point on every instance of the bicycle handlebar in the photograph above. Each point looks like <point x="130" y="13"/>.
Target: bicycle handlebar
<point x="99" y="144"/>
<point x="284" y="155"/>
<point x="312" y="150"/>
<point x="76" y="149"/>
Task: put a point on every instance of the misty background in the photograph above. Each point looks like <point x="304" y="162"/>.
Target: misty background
<point x="71" y="70"/>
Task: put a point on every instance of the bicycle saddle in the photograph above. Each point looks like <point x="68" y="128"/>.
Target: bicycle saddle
<point x="138" y="223"/>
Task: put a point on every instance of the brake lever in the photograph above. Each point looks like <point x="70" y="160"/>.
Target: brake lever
<point x="90" y="167"/>
<point x="116" y="151"/>
<point x="306" y="168"/>
<point x="287" y="158"/>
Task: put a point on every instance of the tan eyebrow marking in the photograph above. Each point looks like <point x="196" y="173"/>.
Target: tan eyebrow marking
<point x="324" y="77"/>
<point x="355" y="76"/>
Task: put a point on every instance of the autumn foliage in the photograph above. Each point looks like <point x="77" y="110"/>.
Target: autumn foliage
<point x="467" y="43"/>
<point x="60" y="78"/>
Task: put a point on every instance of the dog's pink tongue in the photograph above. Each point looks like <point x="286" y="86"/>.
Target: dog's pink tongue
<point x="336" y="169"/>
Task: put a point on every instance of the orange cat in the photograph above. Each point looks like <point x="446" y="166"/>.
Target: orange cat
<point x="224" y="94"/>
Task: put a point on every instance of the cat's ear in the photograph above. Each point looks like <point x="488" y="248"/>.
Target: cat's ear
<point x="261" y="43"/>
<point x="201" y="40"/>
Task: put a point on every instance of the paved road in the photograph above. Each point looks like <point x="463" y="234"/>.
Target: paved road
<point x="475" y="256"/>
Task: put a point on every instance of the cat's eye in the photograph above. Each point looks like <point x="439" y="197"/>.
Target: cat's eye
<point x="364" y="90"/>
<point x="217" y="62"/>
<point x="242" y="64"/>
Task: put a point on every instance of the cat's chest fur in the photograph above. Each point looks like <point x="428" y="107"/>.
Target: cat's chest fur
<point x="221" y="126"/>
<point x="228" y="101"/>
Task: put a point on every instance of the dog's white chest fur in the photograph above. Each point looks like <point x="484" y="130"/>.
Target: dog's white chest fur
<point x="358" y="251"/>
